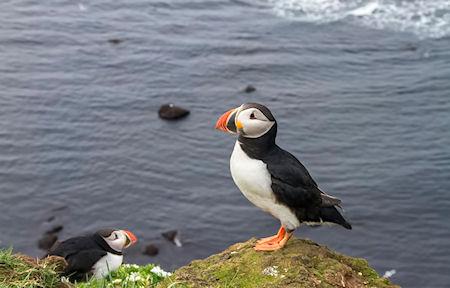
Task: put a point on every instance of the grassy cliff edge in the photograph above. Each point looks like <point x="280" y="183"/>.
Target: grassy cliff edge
<point x="302" y="263"/>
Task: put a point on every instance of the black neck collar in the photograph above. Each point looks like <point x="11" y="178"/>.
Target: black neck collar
<point x="258" y="148"/>
<point x="102" y="243"/>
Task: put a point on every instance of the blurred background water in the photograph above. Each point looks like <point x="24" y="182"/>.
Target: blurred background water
<point x="360" y="90"/>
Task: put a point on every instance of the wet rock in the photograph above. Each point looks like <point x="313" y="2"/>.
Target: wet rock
<point x="55" y="229"/>
<point x="170" y="235"/>
<point x="249" y="89"/>
<point x="172" y="112"/>
<point x="47" y="241"/>
<point x="173" y="237"/>
<point x="115" y="41"/>
<point x="151" y="250"/>
<point x="50" y="237"/>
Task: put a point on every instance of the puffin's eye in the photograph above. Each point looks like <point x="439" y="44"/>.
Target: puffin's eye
<point x="116" y="236"/>
<point x="252" y="116"/>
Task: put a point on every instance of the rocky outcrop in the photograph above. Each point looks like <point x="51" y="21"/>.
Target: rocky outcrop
<point x="302" y="263"/>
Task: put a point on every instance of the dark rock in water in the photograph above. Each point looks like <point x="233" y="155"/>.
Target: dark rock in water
<point x="151" y="250"/>
<point x="47" y="241"/>
<point x="173" y="237"/>
<point x="55" y="229"/>
<point x="170" y="235"/>
<point x="172" y="112"/>
<point x="115" y="41"/>
<point x="411" y="47"/>
<point x="249" y="89"/>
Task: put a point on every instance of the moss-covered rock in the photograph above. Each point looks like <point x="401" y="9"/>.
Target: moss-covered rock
<point x="302" y="263"/>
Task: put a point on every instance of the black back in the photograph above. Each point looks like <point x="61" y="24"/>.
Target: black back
<point x="292" y="184"/>
<point x="81" y="253"/>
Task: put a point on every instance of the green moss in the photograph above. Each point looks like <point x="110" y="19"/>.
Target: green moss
<point x="302" y="263"/>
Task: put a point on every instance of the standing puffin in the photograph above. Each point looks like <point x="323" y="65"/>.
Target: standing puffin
<point x="272" y="178"/>
<point x="94" y="255"/>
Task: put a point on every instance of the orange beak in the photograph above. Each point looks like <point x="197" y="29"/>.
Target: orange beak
<point x="132" y="239"/>
<point x="226" y="123"/>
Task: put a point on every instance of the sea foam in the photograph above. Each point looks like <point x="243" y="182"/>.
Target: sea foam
<point x="426" y="19"/>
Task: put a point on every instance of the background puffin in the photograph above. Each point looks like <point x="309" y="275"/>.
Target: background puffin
<point x="272" y="178"/>
<point x="93" y="255"/>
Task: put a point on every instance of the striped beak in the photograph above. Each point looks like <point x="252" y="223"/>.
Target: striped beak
<point x="131" y="238"/>
<point x="227" y="122"/>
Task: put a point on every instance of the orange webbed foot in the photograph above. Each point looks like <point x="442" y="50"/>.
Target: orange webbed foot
<point x="273" y="239"/>
<point x="275" y="242"/>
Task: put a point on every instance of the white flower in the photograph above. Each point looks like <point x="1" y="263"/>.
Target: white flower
<point x="117" y="281"/>
<point x="134" y="277"/>
<point x="160" y="272"/>
<point x="271" y="271"/>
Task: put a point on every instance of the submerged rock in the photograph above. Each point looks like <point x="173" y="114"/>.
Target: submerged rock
<point x="115" y="41"/>
<point x="151" y="250"/>
<point x="50" y="237"/>
<point x="172" y="112"/>
<point x="302" y="263"/>
<point x="47" y="240"/>
<point x="249" y="89"/>
<point x="55" y="229"/>
<point x="51" y="218"/>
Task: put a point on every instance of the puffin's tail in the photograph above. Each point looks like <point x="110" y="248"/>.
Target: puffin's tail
<point x="331" y="214"/>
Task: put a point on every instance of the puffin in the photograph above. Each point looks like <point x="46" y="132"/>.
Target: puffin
<point x="94" y="255"/>
<point x="272" y="178"/>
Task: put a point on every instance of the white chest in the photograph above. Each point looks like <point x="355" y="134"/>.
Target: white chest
<point x="110" y="262"/>
<point x="251" y="176"/>
<point x="254" y="180"/>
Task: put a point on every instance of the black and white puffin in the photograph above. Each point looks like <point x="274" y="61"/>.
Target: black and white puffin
<point x="93" y="255"/>
<point x="272" y="178"/>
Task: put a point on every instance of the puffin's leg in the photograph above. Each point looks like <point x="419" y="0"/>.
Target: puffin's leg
<point x="275" y="245"/>
<point x="279" y="235"/>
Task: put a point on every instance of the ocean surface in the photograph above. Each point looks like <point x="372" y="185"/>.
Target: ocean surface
<point x="360" y="89"/>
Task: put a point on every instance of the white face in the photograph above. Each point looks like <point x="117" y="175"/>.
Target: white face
<point x="118" y="240"/>
<point x="254" y="123"/>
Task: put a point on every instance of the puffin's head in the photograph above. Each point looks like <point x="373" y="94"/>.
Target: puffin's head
<point x="250" y="120"/>
<point x="117" y="239"/>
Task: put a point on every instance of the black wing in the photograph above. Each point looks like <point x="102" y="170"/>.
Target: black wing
<point x="81" y="253"/>
<point x="294" y="187"/>
<point x="80" y="264"/>
<point x="291" y="182"/>
<point x="72" y="245"/>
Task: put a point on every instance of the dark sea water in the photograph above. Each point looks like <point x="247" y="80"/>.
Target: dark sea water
<point x="361" y="91"/>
